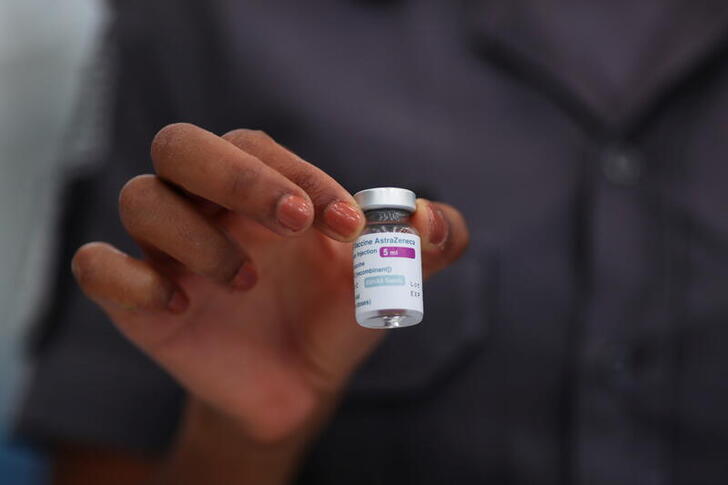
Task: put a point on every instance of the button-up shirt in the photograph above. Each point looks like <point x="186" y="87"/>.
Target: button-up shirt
<point x="581" y="338"/>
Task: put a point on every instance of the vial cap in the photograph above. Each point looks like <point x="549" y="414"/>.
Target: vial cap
<point x="386" y="198"/>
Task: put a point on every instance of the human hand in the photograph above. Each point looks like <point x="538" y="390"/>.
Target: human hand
<point x="245" y="292"/>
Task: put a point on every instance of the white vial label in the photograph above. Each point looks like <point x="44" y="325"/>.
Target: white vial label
<point x="387" y="274"/>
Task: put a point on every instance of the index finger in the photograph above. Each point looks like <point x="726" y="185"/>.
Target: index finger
<point x="337" y="213"/>
<point x="207" y="166"/>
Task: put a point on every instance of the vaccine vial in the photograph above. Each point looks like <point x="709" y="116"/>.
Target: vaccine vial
<point x="387" y="261"/>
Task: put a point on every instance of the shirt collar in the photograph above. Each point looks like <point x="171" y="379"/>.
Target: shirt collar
<point x="611" y="60"/>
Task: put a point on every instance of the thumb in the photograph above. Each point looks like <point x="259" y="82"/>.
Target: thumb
<point x="444" y="234"/>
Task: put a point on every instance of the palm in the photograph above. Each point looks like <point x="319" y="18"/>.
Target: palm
<point x="266" y="355"/>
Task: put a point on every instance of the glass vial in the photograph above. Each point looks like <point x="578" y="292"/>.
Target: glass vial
<point x="387" y="261"/>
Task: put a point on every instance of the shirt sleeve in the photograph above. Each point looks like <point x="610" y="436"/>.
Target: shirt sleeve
<point x="88" y="384"/>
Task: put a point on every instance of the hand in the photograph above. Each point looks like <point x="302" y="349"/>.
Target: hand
<point x="245" y="291"/>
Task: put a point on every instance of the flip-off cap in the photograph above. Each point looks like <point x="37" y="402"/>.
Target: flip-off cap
<point x="386" y="198"/>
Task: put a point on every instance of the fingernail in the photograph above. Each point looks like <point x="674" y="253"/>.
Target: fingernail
<point x="246" y="277"/>
<point x="294" y="212"/>
<point x="178" y="303"/>
<point x="438" y="226"/>
<point x="343" y="219"/>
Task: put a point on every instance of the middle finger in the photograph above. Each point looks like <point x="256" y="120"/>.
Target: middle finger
<point x="208" y="166"/>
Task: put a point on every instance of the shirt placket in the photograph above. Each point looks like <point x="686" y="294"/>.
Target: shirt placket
<point x="622" y="395"/>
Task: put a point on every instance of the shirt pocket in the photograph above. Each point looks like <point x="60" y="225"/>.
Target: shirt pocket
<point x="459" y="308"/>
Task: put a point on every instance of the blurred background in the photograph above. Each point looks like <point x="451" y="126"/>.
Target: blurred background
<point x="45" y="53"/>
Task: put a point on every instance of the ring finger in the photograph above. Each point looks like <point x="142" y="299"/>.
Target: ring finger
<point x="158" y="217"/>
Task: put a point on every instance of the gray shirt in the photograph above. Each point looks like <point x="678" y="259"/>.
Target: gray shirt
<point x="580" y="340"/>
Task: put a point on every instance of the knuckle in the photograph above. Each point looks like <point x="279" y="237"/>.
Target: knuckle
<point x="242" y="179"/>
<point x="314" y="186"/>
<point x="243" y="137"/>
<point x="165" y="139"/>
<point x="220" y="263"/>
<point x="319" y="186"/>
<point x="151" y="291"/>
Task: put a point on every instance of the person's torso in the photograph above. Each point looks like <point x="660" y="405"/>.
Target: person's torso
<point x="582" y="336"/>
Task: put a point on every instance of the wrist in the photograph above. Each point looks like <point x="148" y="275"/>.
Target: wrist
<point x="213" y="448"/>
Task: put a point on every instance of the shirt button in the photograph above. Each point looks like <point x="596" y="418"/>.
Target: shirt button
<point x="622" y="165"/>
<point x="627" y="364"/>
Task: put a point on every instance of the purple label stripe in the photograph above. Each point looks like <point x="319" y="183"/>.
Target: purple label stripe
<point x="397" y="252"/>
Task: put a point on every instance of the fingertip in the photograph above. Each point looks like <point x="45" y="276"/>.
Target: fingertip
<point x="86" y="258"/>
<point x="431" y="222"/>
<point x="75" y="266"/>
<point x="167" y="137"/>
<point x="344" y="220"/>
<point x="444" y="233"/>
<point x="294" y="213"/>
